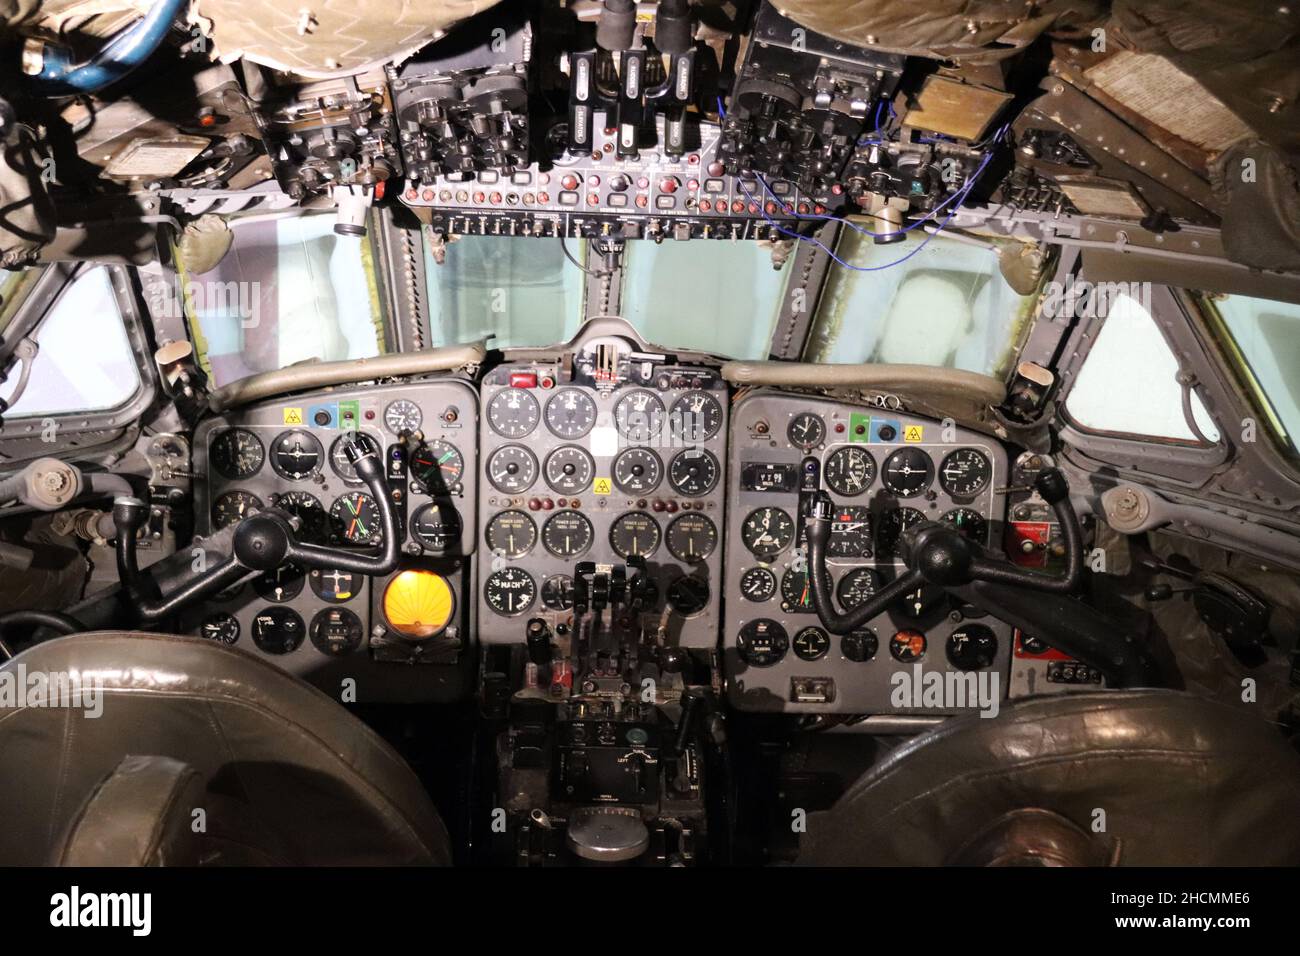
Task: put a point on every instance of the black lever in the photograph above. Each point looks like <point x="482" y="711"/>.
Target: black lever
<point x="261" y="542"/>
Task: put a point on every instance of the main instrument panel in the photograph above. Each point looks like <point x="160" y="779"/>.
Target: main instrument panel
<point x="329" y="626"/>
<point x="611" y="464"/>
<point x="605" y="465"/>
<point x="884" y="472"/>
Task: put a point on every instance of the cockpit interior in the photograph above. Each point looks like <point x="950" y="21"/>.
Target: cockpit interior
<point x="649" y="433"/>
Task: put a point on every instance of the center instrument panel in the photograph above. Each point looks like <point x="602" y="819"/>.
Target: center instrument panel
<point x="884" y="472"/>
<point x="612" y="460"/>
<point x="331" y="626"/>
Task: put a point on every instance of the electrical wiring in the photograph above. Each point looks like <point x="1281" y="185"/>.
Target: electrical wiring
<point x="959" y="196"/>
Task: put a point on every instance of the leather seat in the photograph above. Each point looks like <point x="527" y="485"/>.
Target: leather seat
<point x="1144" y="778"/>
<point x="199" y="753"/>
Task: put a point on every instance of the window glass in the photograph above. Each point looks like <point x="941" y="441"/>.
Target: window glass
<point x="523" y="292"/>
<point x="709" y="295"/>
<point x="84" y="362"/>
<point x="1266" y="336"/>
<point x="1128" y="383"/>
<point x="943" y="304"/>
<point x="288" y="290"/>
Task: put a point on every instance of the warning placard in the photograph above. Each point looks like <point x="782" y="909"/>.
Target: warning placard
<point x="293" y="416"/>
<point x="914" y="433"/>
<point x="602" y="486"/>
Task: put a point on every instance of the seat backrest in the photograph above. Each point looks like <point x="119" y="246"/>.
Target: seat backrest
<point x="1163" y="778"/>
<point x="286" y="766"/>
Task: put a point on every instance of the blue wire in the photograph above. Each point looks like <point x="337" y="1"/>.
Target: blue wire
<point x="883" y="235"/>
<point x="722" y="114"/>
<point x="960" y="195"/>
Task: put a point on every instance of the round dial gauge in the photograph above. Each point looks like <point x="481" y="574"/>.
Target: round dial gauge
<point x="688" y="594"/>
<point x="907" y="647"/>
<point x="693" y="472"/>
<point x="762" y="642"/>
<point x="970" y="523"/>
<point x="336" y="631"/>
<point x="511" y="533"/>
<point x="280" y="584"/>
<point x="757" y="584"/>
<point x="567" y="534"/>
<point x="850" y="470"/>
<point x="921" y="601"/>
<point x="767" y="532"/>
<point x="512" y="469"/>
<point x="860" y="645"/>
<point x="510" y="591"/>
<point x="403" y="417"/>
<point x="691" y="537"/>
<point x="237" y="453"/>
<point x="313" y="522"/>
<point x="811" y="644"/>
<point x="569" y="470"/>
<point x="354" y="518"/>
<point x="639" y="415"/>
<point x="296" y="455"/>
<point x="220" y="626"/>
<point x="907" y="472"/>
<point x="335" y="586"/>
<point x="278" y="630"/>
<point x="437" y="466"/>
<point x="557" y="592"/>
<point x="232" y="507"/>
<point x="890" y="526"/>
<point x="637" y="471"/>
<point x="850" y="532"/>
<point x="695" y="417"/>
<point x="339" y="461"/>
<point x="570" y="413"/>
<point x="806" y="431"/>
<point x="436" y="525"/>
<point x="856" y="587"/>
<point x="796" y="593"/>
<point x="964" y="472"/>
<point x="634" y="534"/>
<point x="971" y="647"/>
<point x="513" y="412"/>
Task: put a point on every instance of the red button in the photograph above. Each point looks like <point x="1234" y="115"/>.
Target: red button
<point x="523" y="379"/>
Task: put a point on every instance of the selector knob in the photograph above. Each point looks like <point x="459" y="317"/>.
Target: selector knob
<point x="619" y="183"/>
<point x="669" y="184"/>
<point x="570" y="182"/>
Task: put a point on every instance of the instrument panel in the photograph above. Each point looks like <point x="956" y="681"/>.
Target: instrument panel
<point x="617" y="461"/>
<point x="328" y="626"/>
<point x="884" y="472"/>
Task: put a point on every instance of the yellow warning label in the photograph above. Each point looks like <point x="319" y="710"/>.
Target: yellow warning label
<point x="602" y="486"/>
<point x="913" y="433"/>
<point x="293" y="416"/>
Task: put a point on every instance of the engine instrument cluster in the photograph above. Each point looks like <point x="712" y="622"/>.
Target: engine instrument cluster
<point x="289" y="455"/>
<point x="884" y="472"/>
<point x="617" y="462"/>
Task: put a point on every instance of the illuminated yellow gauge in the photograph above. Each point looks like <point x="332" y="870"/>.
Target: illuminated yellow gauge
<point x="418" y="604"/>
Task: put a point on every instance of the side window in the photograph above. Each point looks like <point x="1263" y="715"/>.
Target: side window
<point x="1128" y="383"/>
<point x="84" y="362"/>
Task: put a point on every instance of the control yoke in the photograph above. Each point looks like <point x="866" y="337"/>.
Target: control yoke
<point x="263" y="541"/>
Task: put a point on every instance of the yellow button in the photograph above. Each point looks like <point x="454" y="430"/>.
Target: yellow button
<point x="418" y="603"/>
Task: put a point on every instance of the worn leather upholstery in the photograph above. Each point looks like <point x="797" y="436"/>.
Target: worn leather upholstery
<point x="1182" y="781"/>
<point x="289" y="777"/>
<point x="141" y="814"/>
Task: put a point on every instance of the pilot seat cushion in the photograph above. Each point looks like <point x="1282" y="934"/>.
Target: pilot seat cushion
<point x="289" y="776"/>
